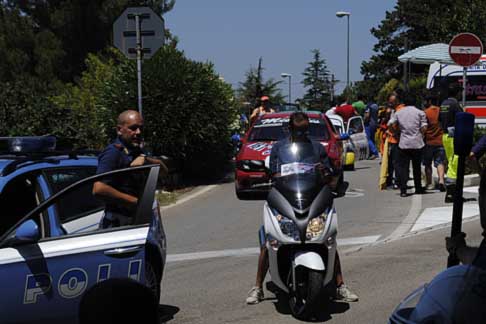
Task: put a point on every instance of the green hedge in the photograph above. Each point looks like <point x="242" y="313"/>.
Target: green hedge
<point x="187" y="108"/>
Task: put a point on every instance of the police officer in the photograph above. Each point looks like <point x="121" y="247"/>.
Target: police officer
<point x="121" y="193"/>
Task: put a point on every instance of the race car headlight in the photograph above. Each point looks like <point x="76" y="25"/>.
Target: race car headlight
<point x="251" y="165"/>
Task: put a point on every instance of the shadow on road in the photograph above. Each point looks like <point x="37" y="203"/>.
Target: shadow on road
<point x="167" y="312"/>
<point x="328" y="309"/>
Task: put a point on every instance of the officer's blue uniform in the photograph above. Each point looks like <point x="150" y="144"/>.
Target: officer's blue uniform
<point x="116" y="156"/>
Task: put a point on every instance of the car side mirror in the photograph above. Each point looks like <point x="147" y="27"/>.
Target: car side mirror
<point x="344" y="136"/>
<point x="27" y="232"/>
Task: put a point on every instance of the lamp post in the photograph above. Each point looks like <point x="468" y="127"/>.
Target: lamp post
<point x="341" y="14"/>
<point x="286" y="75"/>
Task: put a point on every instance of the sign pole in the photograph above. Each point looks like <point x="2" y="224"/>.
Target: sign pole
<point x="139" y="63"/>
<point x="464" y="85"/>
<point x="457" y="208"/>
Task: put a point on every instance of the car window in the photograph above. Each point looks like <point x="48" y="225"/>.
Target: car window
<point x="80" y="208"/>
<point x="17" y="199"/>
<point x="274" y="129"/>
<point x="76" y="204"/>
<point x="355" y="125"/>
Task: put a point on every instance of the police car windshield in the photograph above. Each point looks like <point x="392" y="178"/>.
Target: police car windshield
<point x="275" y="129"/>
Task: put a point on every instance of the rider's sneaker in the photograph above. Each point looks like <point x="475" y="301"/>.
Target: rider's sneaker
<point x="344" y="294"/>
<point x="255" y="295"/>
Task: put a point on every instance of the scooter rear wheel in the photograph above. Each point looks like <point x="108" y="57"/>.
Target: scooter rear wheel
<point x="304" y="300"/>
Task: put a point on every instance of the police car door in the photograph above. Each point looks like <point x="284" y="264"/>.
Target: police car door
<point x="43" y="277"/>
<point x="358" y="137"/>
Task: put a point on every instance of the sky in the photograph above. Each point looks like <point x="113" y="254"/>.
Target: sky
<point x="234" y="34"/>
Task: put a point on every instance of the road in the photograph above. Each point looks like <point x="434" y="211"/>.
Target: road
<point x="212" y="246"/>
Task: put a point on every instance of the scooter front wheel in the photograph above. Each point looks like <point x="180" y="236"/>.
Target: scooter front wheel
<point x="304" y="300"/>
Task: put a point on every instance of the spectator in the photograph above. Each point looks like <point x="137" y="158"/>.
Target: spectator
<point x="263" y="109"/>
<point x="412" y="123"/>
<point x="371" y="122"/>
<point x="434" y="150"/>
<point x="394" y="105"/>
<point x="359" y="105"/>
<point x="345" y="110"/>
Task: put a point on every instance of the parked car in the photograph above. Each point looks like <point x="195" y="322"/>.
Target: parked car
<point x="356" y="147"/>
<point x="256" y="145"/>
<point x="52" y="250"/>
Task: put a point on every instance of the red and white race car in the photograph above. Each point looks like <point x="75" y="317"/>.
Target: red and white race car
<point x="256" y="145"/>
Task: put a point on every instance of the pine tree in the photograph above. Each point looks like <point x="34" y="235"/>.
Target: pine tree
<point x="317" y="82"/>
<point x="254" y="86"/>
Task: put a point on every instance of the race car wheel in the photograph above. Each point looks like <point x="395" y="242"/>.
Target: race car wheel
<point x="152" y="280"/>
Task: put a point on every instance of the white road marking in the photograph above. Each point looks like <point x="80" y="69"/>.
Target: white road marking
<point x="255" y="250"/>
<point x="473" y="189"/>
<point x="409" y="221"/>
<point x="431" y="217"/>
<point x="197" y="193"/>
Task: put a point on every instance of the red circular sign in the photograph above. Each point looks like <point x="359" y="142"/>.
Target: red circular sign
<point x="465" y="49"/>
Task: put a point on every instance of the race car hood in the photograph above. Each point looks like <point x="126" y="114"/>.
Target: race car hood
<point x="258" y="150"/>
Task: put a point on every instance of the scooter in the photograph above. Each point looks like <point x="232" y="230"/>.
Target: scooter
<point x="300" y="225"/>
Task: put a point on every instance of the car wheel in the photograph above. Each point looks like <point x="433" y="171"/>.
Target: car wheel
<point x="152" y="280"/>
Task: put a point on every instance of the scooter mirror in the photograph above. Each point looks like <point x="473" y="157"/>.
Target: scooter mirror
<point x="341" y="189"/>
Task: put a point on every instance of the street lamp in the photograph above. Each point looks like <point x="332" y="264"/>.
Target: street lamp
<point x="286" y="75"/>
<point x="341" y="14"/>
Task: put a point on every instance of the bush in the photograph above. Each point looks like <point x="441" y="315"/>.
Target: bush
<point x="187" y="108"/>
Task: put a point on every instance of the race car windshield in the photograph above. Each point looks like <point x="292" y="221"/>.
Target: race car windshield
<point x="275" y="129"/>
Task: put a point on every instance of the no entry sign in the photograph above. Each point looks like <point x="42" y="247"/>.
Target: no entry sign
<point x="465" y="49"/>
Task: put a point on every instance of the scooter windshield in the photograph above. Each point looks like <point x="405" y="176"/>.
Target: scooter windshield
<point x="297" y="178"/>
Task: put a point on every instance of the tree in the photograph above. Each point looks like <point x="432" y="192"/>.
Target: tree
<point x="187" y="108"/>
<point x="255" y="86"/>
<point x="317" y="82"/>
<point x="415" y="23"/>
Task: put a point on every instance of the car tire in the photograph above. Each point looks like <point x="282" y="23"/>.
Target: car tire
<point x="152" y="280"/>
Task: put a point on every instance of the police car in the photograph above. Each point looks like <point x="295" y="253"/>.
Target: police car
<point x="52" y="251"/>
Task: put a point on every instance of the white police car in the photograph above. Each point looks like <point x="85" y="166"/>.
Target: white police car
<point x="52" y="251"/>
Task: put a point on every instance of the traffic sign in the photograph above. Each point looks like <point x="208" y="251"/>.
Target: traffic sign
<point x="151" y="32"/>
<point x="465" y="49"/>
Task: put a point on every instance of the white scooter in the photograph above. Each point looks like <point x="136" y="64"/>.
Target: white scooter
<point x="300" y="225"/>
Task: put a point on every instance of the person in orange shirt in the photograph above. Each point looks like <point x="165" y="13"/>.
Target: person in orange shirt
<point x="393" y="134"/>
<point x="434" y="149"/>
<point x="262" y="110"/>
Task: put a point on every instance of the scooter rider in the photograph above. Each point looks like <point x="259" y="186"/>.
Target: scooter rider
<point x="298" y="128"/>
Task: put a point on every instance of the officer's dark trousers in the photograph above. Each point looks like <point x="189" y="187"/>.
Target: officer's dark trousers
<point x="393" y="165"/>
<point x="405" y="156"/>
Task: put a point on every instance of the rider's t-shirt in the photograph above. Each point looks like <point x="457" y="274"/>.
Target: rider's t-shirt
<point x="320" y="155"/>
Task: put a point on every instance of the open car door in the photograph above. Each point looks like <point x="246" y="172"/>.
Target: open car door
<point x="358" y="137"/>
<point x="43" y="277"/>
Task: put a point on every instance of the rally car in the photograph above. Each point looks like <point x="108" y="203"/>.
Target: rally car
<point x="256" y="145"/>
<point x="52" y="250"/>
<point x="356" y="146"/>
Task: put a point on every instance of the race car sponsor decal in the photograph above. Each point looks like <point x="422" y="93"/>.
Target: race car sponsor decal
<point x="264" y="148"/>
<point x="272" y="122"/>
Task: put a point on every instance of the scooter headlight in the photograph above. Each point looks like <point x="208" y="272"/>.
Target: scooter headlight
<point x="287" y="226"/>
<point x="316" y="226"/>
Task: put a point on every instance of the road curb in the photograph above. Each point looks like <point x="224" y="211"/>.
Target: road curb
<point x="193" y="194"/>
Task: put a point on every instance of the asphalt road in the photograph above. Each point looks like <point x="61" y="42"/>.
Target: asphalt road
<point x="212" y="246"/>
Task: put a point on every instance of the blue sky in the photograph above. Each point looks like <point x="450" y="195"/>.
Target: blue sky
<point x="233" y="34"/>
